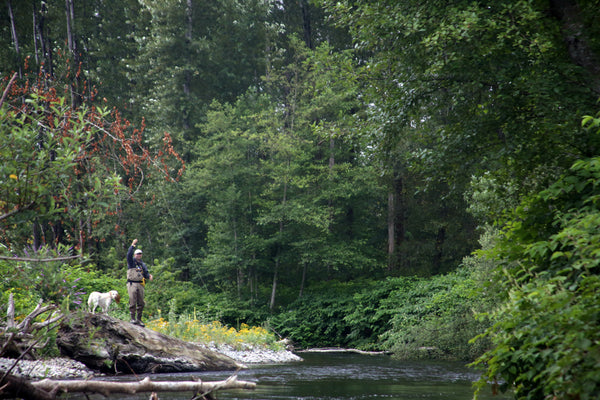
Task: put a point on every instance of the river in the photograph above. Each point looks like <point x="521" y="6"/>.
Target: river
<point x="343" y="376"/>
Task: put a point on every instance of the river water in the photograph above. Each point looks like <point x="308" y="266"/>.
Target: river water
<point x="342" y="376"/>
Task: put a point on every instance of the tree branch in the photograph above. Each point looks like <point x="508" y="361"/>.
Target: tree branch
<point x="6" y="90"/>
<point x="16" y="210"/>
<point x="39" y="259"/>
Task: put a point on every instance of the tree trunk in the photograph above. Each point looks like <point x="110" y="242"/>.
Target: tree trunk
<point x="44" y="37"/>
<point x="13" y="31"/>
<point x="396" y="228"/>
<point x="306" y="28"/>
<point x="391" y="223"/>
<point x="278" y="256"/>
<point x="75" y="84"/>
<point x="187" y="73"/>
<point x="302" y="282"/>
<point x="274" y="286"/>
<point x="400" y="219"/>
<point x="576" y="39"/>
<point x="439" y="249"/>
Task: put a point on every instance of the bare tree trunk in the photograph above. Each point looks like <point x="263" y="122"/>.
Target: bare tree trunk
<point x="188" y="74"/>
<point x="302" y="282"/>
<point x="391" y="223"/>
<point x="400" y="221"/>
<point x="396" y="228"/>
<point x="439" y="249"/>
<point x="44" y="37"/>
<point x="240" y="273"/>
<point x="36" y="35"/>
<point x="75" y="84"/>
<point x="306" y="28"/>
<point x="13" y="31"/>
<point x="274" y="287"/>
<point x="278" y="256"/>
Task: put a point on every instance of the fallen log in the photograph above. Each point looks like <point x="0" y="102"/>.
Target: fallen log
<point x="107" y="388"/>
<point x="341" y="350"/>
<point x="48" y="389"/>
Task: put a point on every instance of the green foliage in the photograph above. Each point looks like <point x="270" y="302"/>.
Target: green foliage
<point x="283" y="186"/>
<point x="437" y="318"/>
<point x="317" y="319"/>
<point x="53" y="282"/>
<point x="413" y="318"/>
<point x="546" y="336"/>
<point x="39" y="165"/>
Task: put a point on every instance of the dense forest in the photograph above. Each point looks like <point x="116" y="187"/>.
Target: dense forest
<point x="416" y="176"/>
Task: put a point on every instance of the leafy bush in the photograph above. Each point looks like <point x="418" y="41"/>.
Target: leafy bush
<point x="404" y="315"/>
<point x="436" y="318"/>
<point x="547" y="336"/>
<point x="319" y="317"/>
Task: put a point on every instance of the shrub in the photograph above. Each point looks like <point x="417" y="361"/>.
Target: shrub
<point x="547" y="336"/>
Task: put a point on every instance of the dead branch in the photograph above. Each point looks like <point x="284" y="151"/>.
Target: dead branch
<point x="15" y="338"/>
<point x="16" y="387"/>
<point x="10" y="312"/>
<point x="29" y="259"/>
<point x="25" y="325"/>
<point x="7" y="89"/>
<point x="49" y="321"/>
<point x="146" y="385"/>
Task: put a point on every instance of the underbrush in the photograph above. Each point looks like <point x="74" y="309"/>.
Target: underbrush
<point x="433" y="318"/>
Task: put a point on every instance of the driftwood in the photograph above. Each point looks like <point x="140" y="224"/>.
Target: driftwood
<point x="50" y="389"/>
<point x="146" y="385"/>
<point x="18" y="340"/>
<point x="340" y="350"/>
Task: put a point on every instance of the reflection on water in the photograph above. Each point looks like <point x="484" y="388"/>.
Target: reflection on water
<point x="341" y="376"/>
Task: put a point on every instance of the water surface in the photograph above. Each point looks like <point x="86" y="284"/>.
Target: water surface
<point x="341" y="376"/>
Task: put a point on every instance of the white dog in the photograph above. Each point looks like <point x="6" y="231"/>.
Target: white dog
<point x="103" y="300"/>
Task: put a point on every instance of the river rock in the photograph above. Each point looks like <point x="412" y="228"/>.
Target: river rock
<point x="110" y="345"/>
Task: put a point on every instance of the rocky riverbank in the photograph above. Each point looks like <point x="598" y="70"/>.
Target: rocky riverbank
<point x="255" y="355"/>
<point x="52" y="368"/>
<point x="66" y="368"/>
